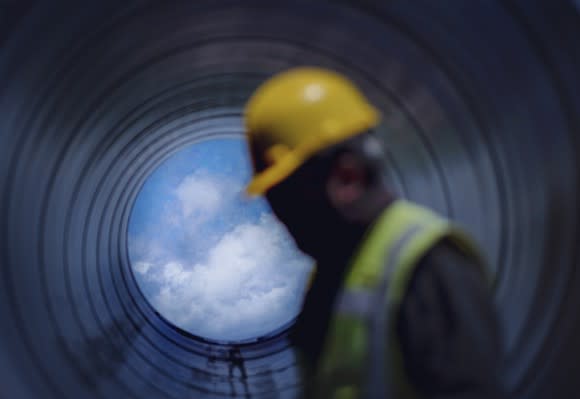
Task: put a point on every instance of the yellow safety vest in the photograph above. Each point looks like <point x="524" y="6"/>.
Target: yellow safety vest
<point x="362" y="356"/>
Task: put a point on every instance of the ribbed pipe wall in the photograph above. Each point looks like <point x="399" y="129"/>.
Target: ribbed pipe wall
<point x="481" y="102"/>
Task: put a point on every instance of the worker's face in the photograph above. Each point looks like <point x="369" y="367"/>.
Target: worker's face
<point x="322" y="198"/>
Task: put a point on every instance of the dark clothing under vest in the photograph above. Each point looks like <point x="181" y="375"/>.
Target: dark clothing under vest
<point x="448" y="327"/>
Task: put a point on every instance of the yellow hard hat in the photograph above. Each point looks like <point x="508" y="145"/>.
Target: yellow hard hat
<point x="298" y="113"/>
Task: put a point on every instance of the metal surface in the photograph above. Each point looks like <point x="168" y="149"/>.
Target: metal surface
<point x="481" y="102"/>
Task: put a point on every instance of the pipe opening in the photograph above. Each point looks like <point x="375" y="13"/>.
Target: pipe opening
<point x="213" y="262"/>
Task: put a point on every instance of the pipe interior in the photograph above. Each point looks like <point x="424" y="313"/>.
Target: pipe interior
<point x="481" y="123"/>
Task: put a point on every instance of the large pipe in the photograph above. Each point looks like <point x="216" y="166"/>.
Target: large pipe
<point x="481" y="102"/>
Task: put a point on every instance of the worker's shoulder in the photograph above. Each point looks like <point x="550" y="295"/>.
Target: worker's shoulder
<point x="448" y="264"/>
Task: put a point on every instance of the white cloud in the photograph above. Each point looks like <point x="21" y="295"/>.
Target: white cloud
<point x="250" y="282"/>
<point x="194" y="201"/>
<point x="146" y="250"/>
<point x="142" y="267"/>
<point x="199" y="195"/>
<point x="199" y="198"/>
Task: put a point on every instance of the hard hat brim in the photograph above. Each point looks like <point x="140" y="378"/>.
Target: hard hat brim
<point x="291" y="161"/>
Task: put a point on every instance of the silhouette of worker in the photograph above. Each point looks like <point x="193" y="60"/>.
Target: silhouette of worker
<point x="400" y="305"/>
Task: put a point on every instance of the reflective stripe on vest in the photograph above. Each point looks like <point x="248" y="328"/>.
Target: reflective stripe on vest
<point x="361" y="358"/>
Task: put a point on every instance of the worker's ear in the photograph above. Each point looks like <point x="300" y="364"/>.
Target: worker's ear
<point x="347" y="181"/>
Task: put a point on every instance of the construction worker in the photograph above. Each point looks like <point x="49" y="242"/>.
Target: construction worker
<point x="400" y="306"/>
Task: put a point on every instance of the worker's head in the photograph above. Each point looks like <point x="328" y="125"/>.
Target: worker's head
<point x="315" y="157"/>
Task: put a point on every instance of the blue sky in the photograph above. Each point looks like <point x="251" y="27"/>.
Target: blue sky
<point x="209" y="259"/>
